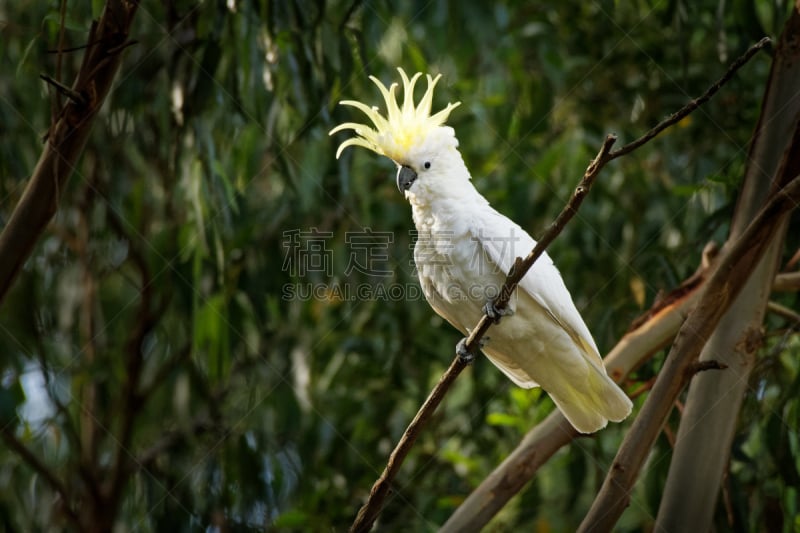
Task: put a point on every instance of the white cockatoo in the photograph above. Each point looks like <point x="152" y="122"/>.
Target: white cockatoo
<point x="464" y="250"/>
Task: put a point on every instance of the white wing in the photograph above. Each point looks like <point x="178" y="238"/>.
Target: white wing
<point x="504" y="241"/>
<point x="572" y="373"/>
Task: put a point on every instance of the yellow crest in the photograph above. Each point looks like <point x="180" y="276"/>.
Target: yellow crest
<point x="394" y="134"/>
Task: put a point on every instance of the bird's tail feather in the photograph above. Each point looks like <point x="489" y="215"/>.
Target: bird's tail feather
<point x="590" y="405"/>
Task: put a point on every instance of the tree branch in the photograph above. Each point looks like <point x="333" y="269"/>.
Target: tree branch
<point x="709" y="421"/>
<point x="76" y="97"/>
<point x="722" y="288"/>
<point x="646" y="338"/>
<point x="132" y="400"/>
<point x="694" y="104"/>
<point x="784" y="312"/>
<point x="649" y="333"/>
<point x="65" y="139"/>
<point x="787" y="282"/>
<point x="371" y="509"/>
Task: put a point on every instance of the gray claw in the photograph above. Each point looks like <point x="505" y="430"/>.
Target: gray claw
<point x="463" y="354"/>
<point x="495" y="313"/>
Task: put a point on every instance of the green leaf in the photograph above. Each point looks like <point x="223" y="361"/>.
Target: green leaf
<point x="25" y="54"/>
<point x="502" y="419"/>
<point x="212" y="336"/>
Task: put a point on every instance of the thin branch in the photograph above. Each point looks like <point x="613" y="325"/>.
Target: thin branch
<point x="134" y="394"/>
<point x="784" y="312"/>
<point x="132" y="400"/>
<point x="521" y="266"/>
<point x="694" y="104"/>
<point x="371" y="509"/>
<point x="793" y="261"/>
<point x="114" y="50"/>
<point x="75" y="96"/>
<point x="787" y="282"/>
<point x="720" y="291"/>
<point x="68" y="50"/>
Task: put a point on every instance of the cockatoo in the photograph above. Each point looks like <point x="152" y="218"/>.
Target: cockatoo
<point x="464" y="250"/>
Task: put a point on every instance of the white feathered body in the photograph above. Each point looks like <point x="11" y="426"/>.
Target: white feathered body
<point x="463" y="253"/>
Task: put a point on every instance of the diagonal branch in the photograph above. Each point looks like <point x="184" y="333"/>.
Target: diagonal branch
<point x="723" y="286"/>
<point x="649" y="333"/>
<point x="371" y="509"/>
<point x="709" y="421"/>
<point x="647" y="336"/>
<point x="694" y="104"/>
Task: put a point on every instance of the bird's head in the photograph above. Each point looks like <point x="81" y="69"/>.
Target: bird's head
<point x="424" y="149"/>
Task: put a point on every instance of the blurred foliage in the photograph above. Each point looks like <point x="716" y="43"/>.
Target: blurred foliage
<point x="211" y="171"/>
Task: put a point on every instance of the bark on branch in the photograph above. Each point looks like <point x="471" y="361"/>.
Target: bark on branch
<point x="722" y="288"/>
<point x="709" y="420"/>
<point x="66" y="138"/>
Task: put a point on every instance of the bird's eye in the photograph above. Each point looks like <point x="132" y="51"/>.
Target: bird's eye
<point x="427" y="164"/>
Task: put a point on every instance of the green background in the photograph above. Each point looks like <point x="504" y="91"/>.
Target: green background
<point x="268" y="412"/>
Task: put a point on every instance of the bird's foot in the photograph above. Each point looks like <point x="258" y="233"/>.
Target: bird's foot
<point x="464" y="355"/>
<point x="494" y="312"/>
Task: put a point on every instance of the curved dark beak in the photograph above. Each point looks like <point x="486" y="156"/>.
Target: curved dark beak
<point x="405" y="177"/>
